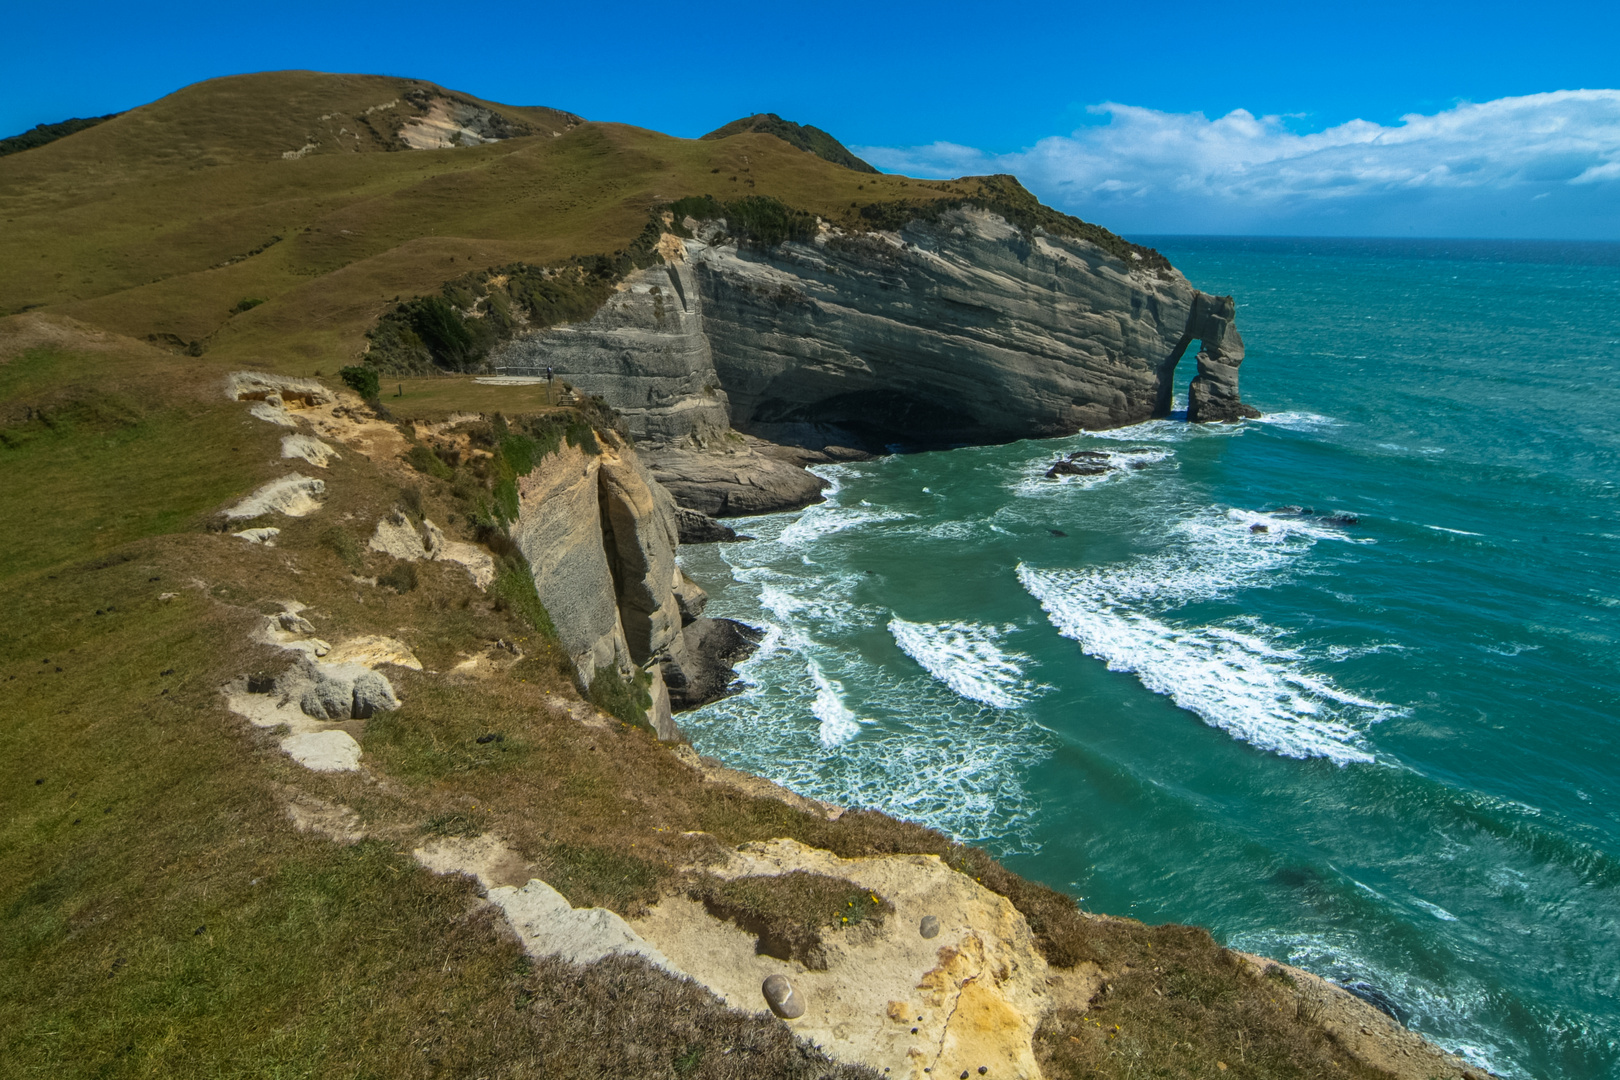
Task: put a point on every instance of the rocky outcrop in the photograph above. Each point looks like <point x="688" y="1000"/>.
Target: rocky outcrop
<point x="735" y="476"/>
<point x="968" y="998"/>
<point x="964" y="330"/>
<point x="644" y="351"/>
<point x="714" y="647"/>
<point x="1212" y="396"/>
<point x="601" y="536"/>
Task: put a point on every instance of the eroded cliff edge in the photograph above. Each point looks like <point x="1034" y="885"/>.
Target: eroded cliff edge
<point x="962" y="329"/>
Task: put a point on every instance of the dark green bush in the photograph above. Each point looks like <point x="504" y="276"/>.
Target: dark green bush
<point x="472" y="314"/>
<point x="402" y="578"/>
<point x="755" y="219"/>
<point x="247" y="303"/>
<point x="362" y="380"/>
<point x="627" y="699"/>
<point x="514" y="587"/>
<point x="424" y="460"/>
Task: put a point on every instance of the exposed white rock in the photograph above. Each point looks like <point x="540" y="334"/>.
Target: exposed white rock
<point x="395" y="536"/>
<point x="338" y="691"/>
<point x="542" y="917"/>
<point x="308" y="742"/>
<point x="975" y="993"/>
<point x="267" y="537"/>
<point x="309" y="448"/>
<point x="550" y="926"/>
<point x="259" y="386"/>
<point x="292" y="495"/>
<point x="374" y="650"/>
<point x="273" y="412"/>
<point x="324" y="751"/>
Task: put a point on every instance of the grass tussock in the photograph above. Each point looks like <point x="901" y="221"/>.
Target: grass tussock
<point x="1182" y="1007"/>
<point x="626" y="697"/>
<point x="790" y="913"/>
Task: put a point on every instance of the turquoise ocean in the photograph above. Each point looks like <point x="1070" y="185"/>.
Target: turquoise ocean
<point x="1387" y="752"/>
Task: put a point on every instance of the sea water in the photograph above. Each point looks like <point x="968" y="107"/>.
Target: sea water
<point x="1387" y="752"/>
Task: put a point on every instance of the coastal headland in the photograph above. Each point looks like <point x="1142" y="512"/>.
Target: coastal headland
<point x="347" y="644"/>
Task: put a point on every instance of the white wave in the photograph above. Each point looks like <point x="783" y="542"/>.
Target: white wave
<point x="1033" y="480"/>
<point x="827" y="519"/>
<point x="1297" y="420"/>
<point x="838" y="724"/>
<point x="1454" y="532"/>
<point x="1435" y="909"/>
<point x="1241" y="683"/>
<point x="966" y="658"/>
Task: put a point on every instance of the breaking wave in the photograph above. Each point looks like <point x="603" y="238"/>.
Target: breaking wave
<point x="966" y="658"/>
<point x="1237" y="675"/>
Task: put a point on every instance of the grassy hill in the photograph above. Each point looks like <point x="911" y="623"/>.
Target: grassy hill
<point x="159" y="223"/>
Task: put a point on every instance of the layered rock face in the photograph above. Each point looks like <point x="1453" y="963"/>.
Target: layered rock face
<point x="960" y="331"/>
<point x="645" y="352"/>
<point x="600" y="536"/>
<point x="1213" y="394"/>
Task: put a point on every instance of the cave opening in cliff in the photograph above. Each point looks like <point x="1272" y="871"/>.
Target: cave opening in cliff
<point x="1175" y="379"/>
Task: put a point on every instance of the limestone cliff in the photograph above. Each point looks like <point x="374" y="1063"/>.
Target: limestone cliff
<point x="964" y="330"/>
<point x="967" y="329"/>
<point x="645" y="351"/>
<point x="601" y="535"/>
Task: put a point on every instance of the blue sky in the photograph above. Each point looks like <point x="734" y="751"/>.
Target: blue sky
<point x="1170" y="117"/>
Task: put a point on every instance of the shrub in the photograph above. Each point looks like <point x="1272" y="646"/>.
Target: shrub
<point x="472" y="314"/>
<point x="756" y="219"/>
<point x="247" y="303"/>
<point x="514" y="588"/>
<point x="627" y="699"/>
<point x="362" y="380"/>
<point x="402" y="578"/>
<point x="338" y="540"/>
<point x="424" y="460"/>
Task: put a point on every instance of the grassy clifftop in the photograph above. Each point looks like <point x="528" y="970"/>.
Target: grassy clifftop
<point x="184" y="223"/>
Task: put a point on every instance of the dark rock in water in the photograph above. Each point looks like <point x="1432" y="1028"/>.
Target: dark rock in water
<point x="845" y="453"/>
<point x="1063" y="467"/>
<point x="697" y="527"/>
<point x="1341" y="519"/>
<point x="1212" y="396"/>
<point x="1090" y="455"/>
<point x="1375" y="997"/>
<point x="1057" y="532"/>
<point x="1258" y="528"/>
<point x="713" y="648"/>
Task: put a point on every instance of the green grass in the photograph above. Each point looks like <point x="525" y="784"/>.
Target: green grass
<point x="159" y="913"/>
<point x="92" y="468"/>
<point x="154" y="234"/>
<point x="790" y="913"/>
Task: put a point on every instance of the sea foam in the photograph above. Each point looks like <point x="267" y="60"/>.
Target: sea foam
<point x="967" y="658"/>
<point x="1236" y="675"/>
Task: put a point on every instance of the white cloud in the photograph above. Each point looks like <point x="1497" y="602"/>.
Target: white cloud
<point x="1459" y="169"/>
